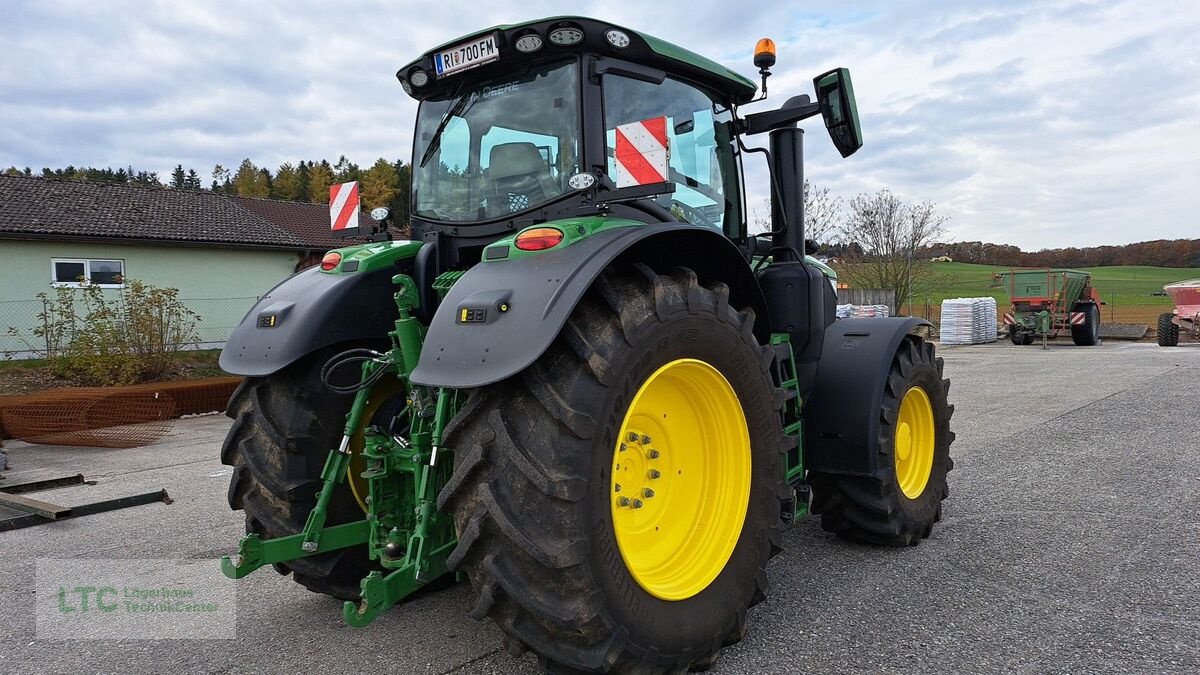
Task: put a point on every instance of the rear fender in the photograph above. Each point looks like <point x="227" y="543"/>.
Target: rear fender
<point x="503" y="314"/>
<point x="315" y="309"/>
<point x="841" y="418"/>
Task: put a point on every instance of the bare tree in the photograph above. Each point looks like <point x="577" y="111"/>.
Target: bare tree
<point x="821" y="213"/>
<point x="889" y="232"/>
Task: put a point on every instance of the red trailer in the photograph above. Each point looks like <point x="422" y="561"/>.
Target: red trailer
<point x="1186" y="296"/>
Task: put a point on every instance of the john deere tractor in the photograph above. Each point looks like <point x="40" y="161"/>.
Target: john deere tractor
<point x="582" y="384"/>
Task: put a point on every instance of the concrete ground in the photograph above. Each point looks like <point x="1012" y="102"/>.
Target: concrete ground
<point x="1070" y="543"/>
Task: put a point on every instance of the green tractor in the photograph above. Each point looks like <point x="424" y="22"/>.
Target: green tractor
<point x="582" y="385"/>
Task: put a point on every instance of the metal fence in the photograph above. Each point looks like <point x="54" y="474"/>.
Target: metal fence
<point x="20" y="320"/>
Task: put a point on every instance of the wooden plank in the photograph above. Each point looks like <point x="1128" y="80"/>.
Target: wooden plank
<point x="34" y="506"/>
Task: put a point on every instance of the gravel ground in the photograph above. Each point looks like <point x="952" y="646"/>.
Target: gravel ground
<point x="1069" y="544"/>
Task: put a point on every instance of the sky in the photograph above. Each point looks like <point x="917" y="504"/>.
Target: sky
<point x="1040" y="124"/>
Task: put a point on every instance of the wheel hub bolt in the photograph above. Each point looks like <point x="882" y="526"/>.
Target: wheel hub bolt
<point x="618" y="487"/>
<point x="653" y="454"/>
<point x="654" y="473"/>
<point x="622" y="501"/>
<point x="633" y="437"/>
<point x="623" y="447"/>
<point x="637" y="503"/>
<point x="645" y="440"/>
<point x="647" y="493"/>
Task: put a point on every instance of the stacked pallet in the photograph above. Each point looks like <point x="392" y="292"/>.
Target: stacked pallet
<point x="968" y="321"/>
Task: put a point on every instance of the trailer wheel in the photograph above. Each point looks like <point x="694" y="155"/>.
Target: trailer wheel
<point x="899" y="505"/>
<point x="1087" y="334"/>
<point x="617" y="502"/>
<point x="284" y="427"/>
<point x="1019" y="338"/>
<point x="1168" y="332"/>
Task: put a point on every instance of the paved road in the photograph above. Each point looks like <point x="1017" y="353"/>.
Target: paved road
<point x="1070" y="544"/>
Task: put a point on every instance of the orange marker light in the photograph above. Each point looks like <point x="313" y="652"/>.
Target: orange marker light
<point x="764" y="53"/>
<point x="538" y="239"/>
<point x="331" y="260"/>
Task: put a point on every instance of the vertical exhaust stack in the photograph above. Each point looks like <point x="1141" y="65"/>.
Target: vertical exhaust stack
<point x="795" y="292"/>
<point x="787" y="203"/>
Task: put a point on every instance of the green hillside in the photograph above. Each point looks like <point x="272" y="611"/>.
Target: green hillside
<point x="1128" y="292"/>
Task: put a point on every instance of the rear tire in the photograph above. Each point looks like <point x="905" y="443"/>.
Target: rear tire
<point x="532" y="492"/>
<point x="875" y="509"/>
<point x="284" y="426"/>
<point x="1168" y="332"/>
<point x="1087" y="334"/>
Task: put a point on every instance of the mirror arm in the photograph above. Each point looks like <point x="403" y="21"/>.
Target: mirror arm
<point x="795" y="109"/>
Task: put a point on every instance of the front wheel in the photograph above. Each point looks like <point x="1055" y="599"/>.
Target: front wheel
<point x="899" y="504"/>
<point x="617" y="502"/>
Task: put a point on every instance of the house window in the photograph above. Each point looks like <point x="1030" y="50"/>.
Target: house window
<point x="75" y="273"/>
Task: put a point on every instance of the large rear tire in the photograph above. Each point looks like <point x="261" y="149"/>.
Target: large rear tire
<point x="284" y="427"/>
<point x="548" y="474"/>
<point x="899" y="504"/>
<point x="1087" y="334"/>
<point x="1168" y="332"/>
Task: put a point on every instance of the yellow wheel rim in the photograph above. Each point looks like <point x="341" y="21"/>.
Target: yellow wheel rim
<point x="383" y="392"/>
<point x="914" y="442"/>
<point x="681" y="479"/>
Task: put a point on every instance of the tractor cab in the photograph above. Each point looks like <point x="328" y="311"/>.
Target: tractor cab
<point x="509" y="117"/>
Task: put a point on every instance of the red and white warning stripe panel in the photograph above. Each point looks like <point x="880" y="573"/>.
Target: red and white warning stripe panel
<point x="343" y="206"/>
<point x="1078" y="318"/>
<point x="642" y="153"/>
<point x="1009" y="320"/>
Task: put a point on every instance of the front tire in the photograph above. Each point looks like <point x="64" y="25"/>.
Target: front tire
<point x="899" y="504"/>
<point x="539" y="459"/>
<point x="1018" y="338"/>
<point x="1168" y="332"/>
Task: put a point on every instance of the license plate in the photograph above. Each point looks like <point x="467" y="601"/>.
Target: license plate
<point x="466" y="55"/>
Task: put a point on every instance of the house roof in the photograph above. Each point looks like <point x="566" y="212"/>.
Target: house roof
<point x="309" y="222"/>
<point x="52" y="209"/>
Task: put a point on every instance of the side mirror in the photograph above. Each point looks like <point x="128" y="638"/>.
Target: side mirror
<point x="835" y="94"/>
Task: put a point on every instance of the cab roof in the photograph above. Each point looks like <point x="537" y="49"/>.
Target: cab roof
<point x="642" y="49"/>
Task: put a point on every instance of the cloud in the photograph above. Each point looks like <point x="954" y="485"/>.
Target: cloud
<point x="1039" y="124"/>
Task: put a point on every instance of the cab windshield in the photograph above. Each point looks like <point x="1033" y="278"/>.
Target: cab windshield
<point x="498" y="147"/>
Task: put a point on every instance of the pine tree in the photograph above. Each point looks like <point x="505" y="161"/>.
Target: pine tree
<point x="220" y="177"/>
<point x="320" y="177"/>
<point x="287" y="183"/>
<point x="379" y="184"/>
<point x="178" y="177"/>
<point x="345" y="171"/>
<point x="192" y="181"/>
<point x="249" y="181"/>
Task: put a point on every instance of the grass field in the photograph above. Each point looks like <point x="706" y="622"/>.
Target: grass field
<point x="1127" y="291"/>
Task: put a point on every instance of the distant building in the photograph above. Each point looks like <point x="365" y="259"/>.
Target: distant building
<point x="220" y="251"/>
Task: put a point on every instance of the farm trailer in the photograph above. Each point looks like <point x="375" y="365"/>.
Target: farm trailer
<point x="1047" y="302"/>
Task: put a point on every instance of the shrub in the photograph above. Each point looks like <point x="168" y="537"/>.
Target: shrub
<point x="124" y="338"/>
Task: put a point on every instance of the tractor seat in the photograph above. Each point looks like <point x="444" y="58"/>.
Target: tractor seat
<point x="519" y="178"/>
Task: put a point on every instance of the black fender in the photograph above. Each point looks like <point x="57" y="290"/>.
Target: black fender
<point x="515" y="308"/>
<point x="307" y="311"/>
<point x="841" y="418"/>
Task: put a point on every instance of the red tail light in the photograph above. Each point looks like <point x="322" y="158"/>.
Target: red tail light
<point x="539" y="239"/>
<point x="331" y="260"/>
